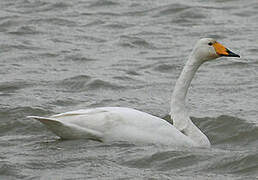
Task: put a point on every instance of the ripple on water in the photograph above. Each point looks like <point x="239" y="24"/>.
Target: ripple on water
<point x="166" y="68"/>
<point x="8" y="23"/>
<point x="101" y="84"/>
<point x="135" y="42"/>
<point x="229" y="132"/>
<point x="75" y="84"/>
<point x="25" y="30"/>
<point x="101" y="3"/>
<point x="56" y="21"/>
<point x="55" y="6"/>
<point x="27" y="7"/>
<point x="184" y="161"/>
<point x="167" y="160"/>
<point x="171" y="10"/>
<point x="90" y="39"/>
<point x="80" y="57"/>
<point x="14" y="119"/>
<point x="8" y="88"/>
<point x="118" y="25"/>
<point x="83" y="82"/>
<point x="240" y="163"/>
<point x="189" y="16"/>
<point x="8" y="170"/>
<point x="133" y="72"/>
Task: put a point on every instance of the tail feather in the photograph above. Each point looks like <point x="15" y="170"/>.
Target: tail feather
<point x="67" y="130"/>
<point x="47" y="121"/>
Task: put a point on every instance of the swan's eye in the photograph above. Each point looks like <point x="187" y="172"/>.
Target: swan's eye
<point x="210" y="43"/>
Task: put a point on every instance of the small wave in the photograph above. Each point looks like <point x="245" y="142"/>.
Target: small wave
<point x="228" y="131"/>
<point x="192" y="14"/>
<point x="25" y="30"/>
<point x="11" y="87"/>
<point x="54" y="21"/>
<point x="244" y="163"/>
<point x="65" y="102"/>
<point x="118" y="25"/>
<point x="188" y="16"/>
<point x="134" y="42"/>
<point x="124" y="78"/>
<point x="110" y="14"/>
<point x="79" y="57"/>
<point x="39" y="6"/>
<point x="166" y="160"/>
<point x="164" y="68"/>
<point x="101" y="3"/>
<point x="30" y="4"/>
<point x="14" y="119"/>
<point x="21" y="46"/>
<point x="94" y="22"/>
<point x="138" y="13"/>
<point x="49" y="54"/>
<point x="84" y="83"/>
<point x="132" y="72"/>
<point x="20" y="112"/>
<point x="8" y="169"/>
<point x="183" y="161"/>
<point x="57" y="6"/>
<point x="9" y="23"/>
<point x="235" y="64"/>
<point x="100" y="84"/>
<point x="171" y="9"/>
<point x="75" y="84"/>
<point x="89" y="39"/>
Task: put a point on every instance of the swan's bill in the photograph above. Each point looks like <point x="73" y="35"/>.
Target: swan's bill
<point x="222" y="51"/>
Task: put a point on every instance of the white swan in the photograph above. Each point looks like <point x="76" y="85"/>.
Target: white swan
<point x="125" y="124"/>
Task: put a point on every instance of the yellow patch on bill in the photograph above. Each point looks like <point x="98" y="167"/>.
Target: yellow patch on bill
<point x="220" y="49"/>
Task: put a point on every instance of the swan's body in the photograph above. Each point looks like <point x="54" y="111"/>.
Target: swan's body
<point x="126" y="124"/>
<point x="116" y="124"/>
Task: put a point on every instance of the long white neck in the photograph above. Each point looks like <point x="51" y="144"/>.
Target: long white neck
<point x="179" y="113"/>
<point x="183" y="83"/>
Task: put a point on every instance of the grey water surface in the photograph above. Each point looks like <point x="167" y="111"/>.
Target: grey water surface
<point x="62" y="55"/>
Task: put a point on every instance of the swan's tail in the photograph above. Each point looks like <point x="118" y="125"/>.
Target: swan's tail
<point x="49" y="122"/>
<point x="67" y="130"/>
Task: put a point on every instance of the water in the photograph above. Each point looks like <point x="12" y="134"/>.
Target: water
<point x="60" y="55"/>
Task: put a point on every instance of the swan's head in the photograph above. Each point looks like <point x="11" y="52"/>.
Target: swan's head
<point x="208" y="49"/>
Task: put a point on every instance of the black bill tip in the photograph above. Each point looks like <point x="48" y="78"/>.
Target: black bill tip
<point x="230" y="54"/>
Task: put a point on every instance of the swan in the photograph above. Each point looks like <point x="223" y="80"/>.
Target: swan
<point x="109" y="124"/>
